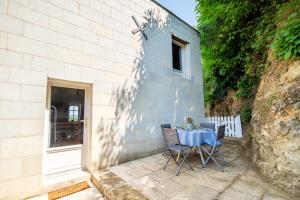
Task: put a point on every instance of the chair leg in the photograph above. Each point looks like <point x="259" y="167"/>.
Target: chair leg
<point x="211" y="156"/>
<point x="181" y="164"/>
<point x="218" y="165"/>
<point x="202" y="157"/>
<point x="167" y="162"/>
<point x="195" y="151"/>
<point x="170" y="156"/>
<point x="204" y="153"/>
<point x="188" y="162"/>
<point x="174" y="158"/>
<point x="220" y="155"/>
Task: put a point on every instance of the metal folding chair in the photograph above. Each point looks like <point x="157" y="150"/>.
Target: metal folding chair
<point x="165" y="152"/>
<point x="165" y="126"/>
<point x="208" y="125"/>
<point x="213" y="153"/>
<point x="174" y="146"/>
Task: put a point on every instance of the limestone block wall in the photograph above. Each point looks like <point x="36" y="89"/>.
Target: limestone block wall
<point x="134" y="88"/>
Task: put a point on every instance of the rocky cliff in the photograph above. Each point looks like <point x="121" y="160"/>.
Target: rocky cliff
<point x="276" y="125"/>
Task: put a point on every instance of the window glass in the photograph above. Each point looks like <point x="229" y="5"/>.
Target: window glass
<point x="176" y="53"/>
<point x="73" y="113"/>
<point x="67" y="116"/>
<point x="176" y="56"/>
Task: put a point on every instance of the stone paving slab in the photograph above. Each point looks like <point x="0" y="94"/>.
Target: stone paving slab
<point x="232" y="194"/>
<point x="196" y="192"/>
<point x="240" y="180"/>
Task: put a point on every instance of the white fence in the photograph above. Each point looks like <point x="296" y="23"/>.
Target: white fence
<point x="233" y="125"/>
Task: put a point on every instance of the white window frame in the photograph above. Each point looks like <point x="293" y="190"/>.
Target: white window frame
<point x="185" y="61"/>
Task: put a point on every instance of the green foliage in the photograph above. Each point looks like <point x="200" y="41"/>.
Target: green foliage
<point x="287" y="41"/>
<point x="245" y="87"/>
<point x="235" y="36"/>
<point x="250" y="136"/>
<point x="246" y="113"/>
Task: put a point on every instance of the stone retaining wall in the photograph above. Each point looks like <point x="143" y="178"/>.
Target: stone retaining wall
<point x="276" y="125"/>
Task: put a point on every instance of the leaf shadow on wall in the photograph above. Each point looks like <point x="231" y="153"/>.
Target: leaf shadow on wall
<point x="134" y="130"/>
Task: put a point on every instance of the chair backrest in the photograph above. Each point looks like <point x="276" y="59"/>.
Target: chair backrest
<point x="171" y="136"/>
<point x="221" y="132"/>
<point x="162" y="126"/>
<point x="208" y="125"/>
<point x="165" y="126"/>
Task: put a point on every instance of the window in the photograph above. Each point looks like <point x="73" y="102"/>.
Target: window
<point x="178" y="53"/>
<point x="73" y="113"/>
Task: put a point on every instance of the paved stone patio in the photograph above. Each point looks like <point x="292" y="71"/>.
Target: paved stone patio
<point x="240" y="180"/>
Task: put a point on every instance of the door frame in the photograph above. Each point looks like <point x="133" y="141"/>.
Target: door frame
<point x="86" y="146"/>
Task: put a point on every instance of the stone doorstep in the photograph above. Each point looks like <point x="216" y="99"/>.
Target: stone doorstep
<point x="64" y="180"/>
<point x="60" y="181"/>
<point x="115" y="188"/>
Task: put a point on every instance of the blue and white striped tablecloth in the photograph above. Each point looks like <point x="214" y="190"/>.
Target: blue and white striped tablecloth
<point x="196" y="137"/>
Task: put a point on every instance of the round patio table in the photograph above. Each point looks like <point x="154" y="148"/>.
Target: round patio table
<point x="196" y="138"/>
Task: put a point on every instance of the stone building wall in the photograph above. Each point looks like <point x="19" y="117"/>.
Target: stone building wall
<point x="134" y="88"/>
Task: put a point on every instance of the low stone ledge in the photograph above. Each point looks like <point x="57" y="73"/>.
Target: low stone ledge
<point x="115" y="188"/>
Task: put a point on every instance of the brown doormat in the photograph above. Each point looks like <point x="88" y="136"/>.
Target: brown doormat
<point x="67" y="191"/>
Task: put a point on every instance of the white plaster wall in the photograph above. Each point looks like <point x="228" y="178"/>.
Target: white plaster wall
<point x="134" y="87"/>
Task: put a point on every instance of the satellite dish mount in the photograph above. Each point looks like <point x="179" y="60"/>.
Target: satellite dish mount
<point x="140" y="27"/>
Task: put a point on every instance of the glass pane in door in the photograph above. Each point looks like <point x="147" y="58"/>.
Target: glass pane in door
<point x="67" y="116"/>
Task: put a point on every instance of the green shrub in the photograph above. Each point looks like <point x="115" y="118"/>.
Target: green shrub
<point x="286" y="44"/>
<point x="246" y="113"/>
<point x="245" y="88"/>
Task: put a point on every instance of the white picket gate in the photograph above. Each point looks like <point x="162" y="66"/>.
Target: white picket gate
<point x="233" y="125"/>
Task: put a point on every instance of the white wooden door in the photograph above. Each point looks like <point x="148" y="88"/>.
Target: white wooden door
<point x="67" y="107"/>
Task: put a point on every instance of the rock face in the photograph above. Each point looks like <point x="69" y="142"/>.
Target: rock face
<point x="276" y="125"/>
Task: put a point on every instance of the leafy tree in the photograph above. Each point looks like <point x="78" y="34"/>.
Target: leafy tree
<point x="235" y="36"/>
<point x="287" y="40"/>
